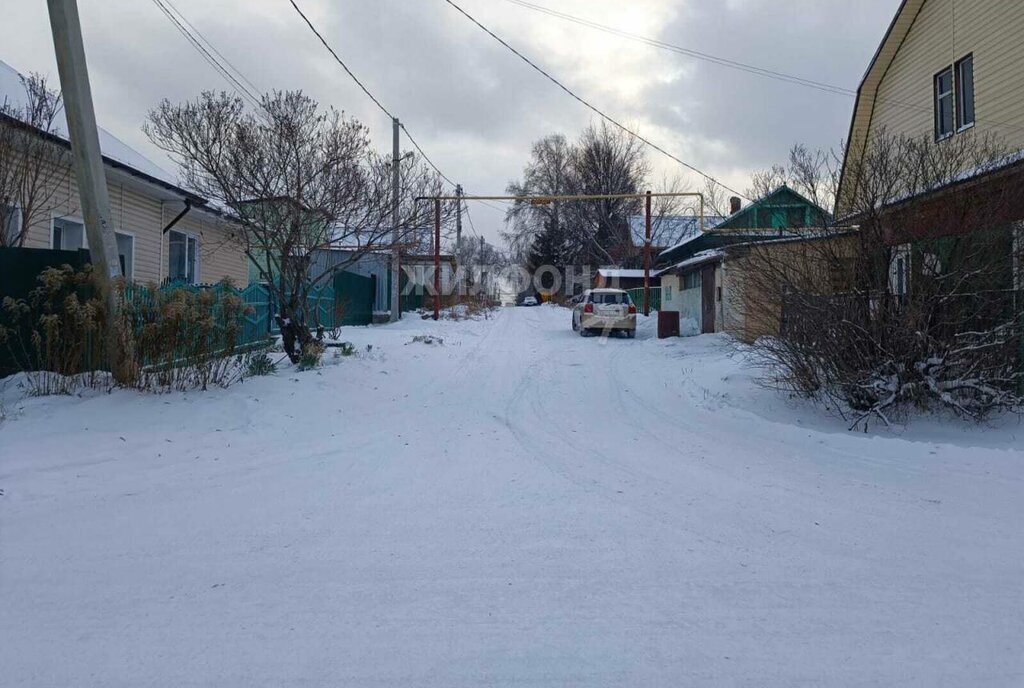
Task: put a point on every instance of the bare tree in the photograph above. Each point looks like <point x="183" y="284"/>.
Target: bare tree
<point x="295" y="179"/>
<point x="917" y="307"/>
<point x="34" y="163"/>
<point x="602" y="161"/>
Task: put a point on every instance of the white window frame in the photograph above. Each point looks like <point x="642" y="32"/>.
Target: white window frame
<point x="132" y="236"/>
<point x="939" y="97"/>
<point x="189" y="236"/>
<point x="68" y="218"/>
<point x="958" y="80"/>
<point x="17" y="221"/>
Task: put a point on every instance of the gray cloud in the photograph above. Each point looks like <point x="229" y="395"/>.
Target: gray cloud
<point x="473" y="106"/>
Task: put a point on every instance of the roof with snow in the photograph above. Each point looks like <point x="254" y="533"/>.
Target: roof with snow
<point x="670" y="230"/>
<point x="620" y="273"/>
<point x="697" y="259"/>
<point x="115" y="151"/>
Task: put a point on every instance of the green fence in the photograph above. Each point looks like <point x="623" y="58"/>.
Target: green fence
<point x="637" y="295"/>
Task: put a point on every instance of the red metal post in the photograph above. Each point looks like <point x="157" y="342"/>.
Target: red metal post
<point x="647" y="258"/>
<point x="437" y="259"/>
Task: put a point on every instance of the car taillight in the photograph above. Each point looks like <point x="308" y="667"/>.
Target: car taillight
<point x="632" y="309"/>
<point x="589" y="308"/>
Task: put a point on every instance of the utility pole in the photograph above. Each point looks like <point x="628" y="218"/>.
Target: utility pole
<point x="89" y="172"/>
<point x="458" y="220"/>
<point x="396" y="257"/>
<point x="437" y="258"/>
<point x="647" y="256"/>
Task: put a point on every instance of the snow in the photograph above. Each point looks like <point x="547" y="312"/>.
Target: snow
<point x="514" y="506"/>
<point x="699" y="258"/>
<point x="620" y="273"/>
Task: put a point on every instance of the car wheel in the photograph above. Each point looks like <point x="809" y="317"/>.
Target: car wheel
<point x="630" y="334"/>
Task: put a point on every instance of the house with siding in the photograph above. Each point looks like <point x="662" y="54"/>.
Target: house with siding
<point x="950" y="71"/>
<point x="700" y="278"/>
<point x="164" y="232"/>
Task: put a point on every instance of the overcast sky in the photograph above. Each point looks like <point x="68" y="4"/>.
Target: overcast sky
<point x="472" y="105"/>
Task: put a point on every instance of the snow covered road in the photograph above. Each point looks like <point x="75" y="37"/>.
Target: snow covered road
<point x="517" y="506"/>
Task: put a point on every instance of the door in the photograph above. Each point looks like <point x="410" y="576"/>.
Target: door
<point x="707" y="289"/>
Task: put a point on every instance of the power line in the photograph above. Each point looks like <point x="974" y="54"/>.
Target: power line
<point x="370" y="95"/>
<point x="212" y="47"/>
<point x="586" y="103"/>
<point x="206" y="55"/>
<point x="707" y="57"/>
<point x="425" y="157"/>
<point x="341" y="62"/>
<point x="731" y="64"/>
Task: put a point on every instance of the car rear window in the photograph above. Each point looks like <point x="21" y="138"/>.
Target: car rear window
<point x="610" y="298"/>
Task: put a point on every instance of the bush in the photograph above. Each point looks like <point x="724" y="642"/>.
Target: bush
<point x="260" y="365"/>
<point x="176" y="339"/>
<point x="310" y="357"/>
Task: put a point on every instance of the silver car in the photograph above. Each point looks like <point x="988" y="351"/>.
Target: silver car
<point x="602" y="311"/>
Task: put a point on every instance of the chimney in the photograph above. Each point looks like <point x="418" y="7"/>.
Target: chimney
<point x="734" y="205"/>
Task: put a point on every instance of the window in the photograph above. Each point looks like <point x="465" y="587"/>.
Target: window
<point x="944" y="103"/>
<point x="183" y="258"/>
<point x="10" y="225"/>
<point x="691" y="280"/>
<point x="126" y="252"/>
<point x="965" y="93"/>
<point x="668" y="292"/>
<point x="609" y="298"/>
<point x="899" y="270"/>
<point x="68" y="235"/>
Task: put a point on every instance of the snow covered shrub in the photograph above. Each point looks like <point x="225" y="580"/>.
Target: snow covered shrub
<point x="259" y="365"/>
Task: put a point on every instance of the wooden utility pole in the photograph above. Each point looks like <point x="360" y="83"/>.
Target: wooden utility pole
<point x="396" y="256"/>
<point x="89" y="172"/>
<point x="437" y="258"/>
<point x="647" y="255"/>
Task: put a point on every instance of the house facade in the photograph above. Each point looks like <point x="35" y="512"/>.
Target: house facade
<point x="948" y="70"/>
<point x="699" y="278"/>
<point x="163" y="231"/>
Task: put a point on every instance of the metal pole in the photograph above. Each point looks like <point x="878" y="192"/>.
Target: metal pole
<point x="396" y="257"/>
<point x="89" y="172"/>
<point x="647" y="257"/>
<point x="437" y="259"/>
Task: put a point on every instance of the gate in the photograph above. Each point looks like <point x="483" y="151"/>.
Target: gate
<point x="353" y="298"/>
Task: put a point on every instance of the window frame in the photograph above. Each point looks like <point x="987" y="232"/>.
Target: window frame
<point x="130" y="235"/>
<point x="17" y="220"/>
<point x="937" y="99"/>
<point x="189" y="236"/>
<point x="959" y="92"/>
<point x="68" y="218"/>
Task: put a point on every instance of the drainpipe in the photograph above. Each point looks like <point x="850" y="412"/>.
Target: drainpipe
<point x="178" y="217"/>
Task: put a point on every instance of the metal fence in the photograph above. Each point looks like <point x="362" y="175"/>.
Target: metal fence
<point x="637" y="295"/>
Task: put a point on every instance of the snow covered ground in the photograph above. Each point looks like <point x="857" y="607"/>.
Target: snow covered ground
<point x="516" y="506"/>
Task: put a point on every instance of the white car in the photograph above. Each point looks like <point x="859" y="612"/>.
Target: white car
<point x="603" y="311"/>
<point x="530" y="301"/>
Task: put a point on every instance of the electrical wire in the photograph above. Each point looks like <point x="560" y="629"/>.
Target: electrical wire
<point x="586" y="103"/>
<point x="206" y="55"/>
<point x="729" y="63"/>
<point x="340" y="61"/>
<point x="370" y="95"/>
<point x="707" y="57"/>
